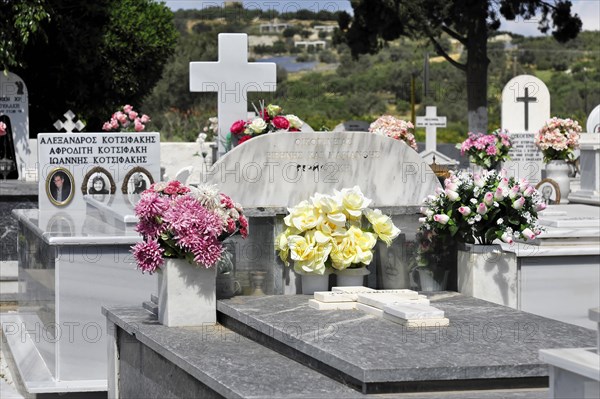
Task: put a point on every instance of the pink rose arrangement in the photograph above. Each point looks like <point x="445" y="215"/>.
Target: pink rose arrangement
<point x="395" y="128"/>
<point x="487" y="150"/>
<point x="2" y="129"/>
<point x="126" y="120"/>
<point x="558" y="138"/>
<point x="483" y="208"/>
<point x="270" y="119"/>
<point x="183" y="222"/>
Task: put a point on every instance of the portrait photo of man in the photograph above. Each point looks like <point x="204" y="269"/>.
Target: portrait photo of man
<point x="59" y="187"/>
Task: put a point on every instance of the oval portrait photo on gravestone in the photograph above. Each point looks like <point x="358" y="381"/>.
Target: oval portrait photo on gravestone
<point x="550" y="191"/>
<point x="137" y="181"/>
<point x="60" y="186"/>
<point x="98" y="182"/>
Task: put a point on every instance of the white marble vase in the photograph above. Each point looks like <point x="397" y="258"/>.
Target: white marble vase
<point x="351" y="277"/>
<point x="558" y="170"/>
<point x="487" y="273"/>
<point x="186" y="294"/>
<point x="314" y="282"/>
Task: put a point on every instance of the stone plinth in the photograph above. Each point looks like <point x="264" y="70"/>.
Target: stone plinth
<point x="589" y="165"/>
<point x="69" y="265"/>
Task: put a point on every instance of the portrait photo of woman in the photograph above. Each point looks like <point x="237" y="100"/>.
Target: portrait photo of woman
<point x="98" y="181"/>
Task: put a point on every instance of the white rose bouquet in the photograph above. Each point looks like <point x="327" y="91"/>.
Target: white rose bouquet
<point x="336" y="231"/>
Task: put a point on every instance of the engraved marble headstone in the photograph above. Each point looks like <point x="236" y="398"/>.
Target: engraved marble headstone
<point x="281" y="169"/>
<point x="232" y="77"/>
<point x="525" y="109"/>
<point x="14" y="112"/>
<point x="76" y="159"/>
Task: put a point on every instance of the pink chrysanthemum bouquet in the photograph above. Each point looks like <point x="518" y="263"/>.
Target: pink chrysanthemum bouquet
<point x="183" y="222"/>
<point x="395" y="128"/>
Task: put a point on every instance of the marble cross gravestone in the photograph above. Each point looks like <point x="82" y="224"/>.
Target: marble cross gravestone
<point x="525" y="109"/>
<point x="14" y="112"/>
<point x="431" y="121"/>
<point x="232" y="77"/>
<point x="68" y="124"/>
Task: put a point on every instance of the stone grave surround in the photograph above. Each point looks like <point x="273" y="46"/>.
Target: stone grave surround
<point x="14" y="107"/>
<point x="351" y="353"/>
<point x="525" y="109"/>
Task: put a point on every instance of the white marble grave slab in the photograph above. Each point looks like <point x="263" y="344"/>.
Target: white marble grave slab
<point x="328" y="296"/>
<point x="313" y="303"/>
<point x="381" y="300"/>
<point x="417" y="323"/>
<point x="413" y="311"/>
<point x="14" y="105"/>
<point x="369" y="309"/>
<point x="352" y="290"/>
<point x="279" y="169"/>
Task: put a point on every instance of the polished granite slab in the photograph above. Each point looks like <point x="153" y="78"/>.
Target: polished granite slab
<point x="215" y="361"/>
<point x="219" y="360"/>
<point x="485" y="346"/>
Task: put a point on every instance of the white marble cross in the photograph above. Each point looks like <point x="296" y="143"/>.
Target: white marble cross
<point x="69" y="125"/>
<point x="232" y="76"/>
<point x="431" y="122"/>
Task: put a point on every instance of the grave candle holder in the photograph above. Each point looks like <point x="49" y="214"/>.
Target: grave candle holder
<point x="258" y="279"/>
<point x="7" y="166"/>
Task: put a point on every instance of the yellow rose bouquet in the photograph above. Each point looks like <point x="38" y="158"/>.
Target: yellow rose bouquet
<point x="336" y="231"/>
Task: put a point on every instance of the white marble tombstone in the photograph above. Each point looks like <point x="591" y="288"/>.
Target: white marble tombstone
<point x="525" y="108"/>
<point x="593" y="121"/>
<point x="232" y="77"/>
<point x="14" y="107"/>
<point x="280" y="169"/>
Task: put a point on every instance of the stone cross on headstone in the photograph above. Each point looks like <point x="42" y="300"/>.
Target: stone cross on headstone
<point x="526" y="99"/>
<point x="232" y="77"/>
<point x="69" y="125"/>
<point x="525" y="104"/>
<point x="431" y="121"/>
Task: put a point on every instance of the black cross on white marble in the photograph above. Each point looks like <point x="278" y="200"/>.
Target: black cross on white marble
<point x="527" y="100"/>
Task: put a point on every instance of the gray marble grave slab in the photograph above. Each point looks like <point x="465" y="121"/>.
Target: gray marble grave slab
<point x="207" y="362"/>
<point x="485" y="344"/>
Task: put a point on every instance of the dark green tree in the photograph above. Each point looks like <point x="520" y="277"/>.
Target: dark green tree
<point x="97" y="56"/>
<point x="470" y="22"/>
<point x="21" y="22"/>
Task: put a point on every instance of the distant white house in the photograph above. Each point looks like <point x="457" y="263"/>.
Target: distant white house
<point x="324" y="28"/>
<point x="273" y="27"/>
<point x="318" y="44"/>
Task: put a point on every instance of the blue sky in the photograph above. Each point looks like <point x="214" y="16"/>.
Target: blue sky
<point x="588" y="10"/>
